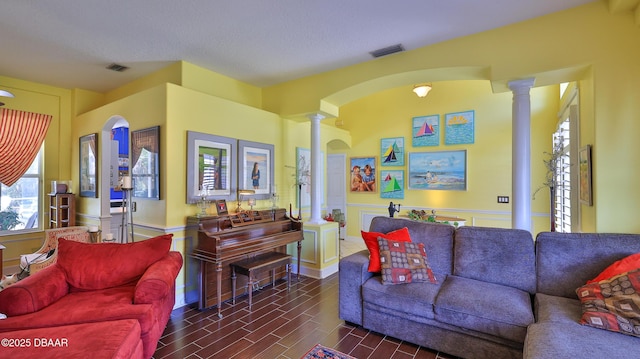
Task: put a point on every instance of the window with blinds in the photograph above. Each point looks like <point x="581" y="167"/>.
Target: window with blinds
<point x="565" y="141"/>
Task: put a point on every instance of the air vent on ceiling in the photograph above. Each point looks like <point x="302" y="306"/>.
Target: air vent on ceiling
<point x="387" y="50"/>
<point x="117" y="67"/>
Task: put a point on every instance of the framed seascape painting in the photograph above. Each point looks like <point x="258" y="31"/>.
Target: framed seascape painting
<point x="392" y="184"/>
<point x="426" y="131"/>
<point x="256" y="168"/>
<point x="443" y="170"/>
<point x="211" y="162"/>
<point x="584" y="159"/>
<point x="89" y="165"/>
<point x="392" y="151"/>
<point x="363" y="175"/>
<point x="459" y="128"/>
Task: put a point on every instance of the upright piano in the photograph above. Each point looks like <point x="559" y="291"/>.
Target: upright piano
<point x="225" y="239"/>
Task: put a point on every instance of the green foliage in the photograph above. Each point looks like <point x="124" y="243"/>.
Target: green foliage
<point x="8" y="220"/>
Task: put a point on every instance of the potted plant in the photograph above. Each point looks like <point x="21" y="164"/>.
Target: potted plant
<point x="552" y="163"/>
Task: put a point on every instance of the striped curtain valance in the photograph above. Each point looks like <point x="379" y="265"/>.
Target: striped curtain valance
<point x="21" y="135"/>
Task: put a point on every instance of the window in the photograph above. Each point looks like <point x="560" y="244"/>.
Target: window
<point x="20" y="203"/>
<point x="565" y="143"/>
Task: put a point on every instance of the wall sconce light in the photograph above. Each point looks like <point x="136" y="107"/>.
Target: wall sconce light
<point x="4" y="93"/>
<point x="241" y="193"/>
<point x="422" y="90"/>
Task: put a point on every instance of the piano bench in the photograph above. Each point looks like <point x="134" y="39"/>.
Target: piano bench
<point x="252" y="265"/>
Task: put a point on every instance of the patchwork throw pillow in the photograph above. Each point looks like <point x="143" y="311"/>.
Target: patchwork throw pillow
<point x="622" y="266"/>
<point x="404" y="262"/>
<point x="371" y="240"/>
<point x="613" y="304"/>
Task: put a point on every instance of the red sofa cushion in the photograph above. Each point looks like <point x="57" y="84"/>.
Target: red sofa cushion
<point x="34" y="292"/>
<point x="105" y="265"/>
<point x="113" y="339"/>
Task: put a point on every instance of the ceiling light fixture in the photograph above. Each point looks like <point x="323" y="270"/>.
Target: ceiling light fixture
<point x="422" y="90"/>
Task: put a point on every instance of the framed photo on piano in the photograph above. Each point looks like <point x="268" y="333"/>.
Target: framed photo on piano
<point x="211" y="167"/>
<point x="221" y="207"/>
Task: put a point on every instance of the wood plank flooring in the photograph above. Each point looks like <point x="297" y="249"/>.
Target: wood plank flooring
<point x="281" y="325"/>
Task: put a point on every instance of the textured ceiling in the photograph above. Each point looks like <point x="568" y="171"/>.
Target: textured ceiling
<point x="68" y="43"/>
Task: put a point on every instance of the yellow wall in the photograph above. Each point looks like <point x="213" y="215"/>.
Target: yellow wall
<point x="389" y="114"/>
<point x="585" y="44"/>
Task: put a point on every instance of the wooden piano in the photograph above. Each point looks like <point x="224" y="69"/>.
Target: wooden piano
<point x="228" y="238"/>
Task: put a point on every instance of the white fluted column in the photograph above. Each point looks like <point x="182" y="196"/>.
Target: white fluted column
<point x="521" y="154"/>
<point x="316" y="165"/>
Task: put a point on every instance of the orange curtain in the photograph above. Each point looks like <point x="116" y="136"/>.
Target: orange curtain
<point x="21" y="135"/>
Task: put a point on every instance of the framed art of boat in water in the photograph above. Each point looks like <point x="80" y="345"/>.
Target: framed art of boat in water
<point x="438" y="170"/>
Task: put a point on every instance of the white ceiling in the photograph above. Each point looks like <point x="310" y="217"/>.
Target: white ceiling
<point x="68" y="43"/>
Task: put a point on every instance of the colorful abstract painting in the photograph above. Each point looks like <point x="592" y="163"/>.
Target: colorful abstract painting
<point x="392" y="184"/>
<point x="459" y="128"/>
<point x="392" y="151"/>
<point x="426" y="131"/>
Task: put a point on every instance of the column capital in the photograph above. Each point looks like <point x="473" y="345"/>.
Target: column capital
<point x="521" y="86"/>
<point x="316" y="117"/>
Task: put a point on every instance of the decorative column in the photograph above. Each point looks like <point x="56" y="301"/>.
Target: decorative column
<point x="316" y="165"/>
<point x="521" y="154"/>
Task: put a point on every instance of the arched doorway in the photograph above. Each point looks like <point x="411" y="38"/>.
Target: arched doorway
<point x="110" y="220"/>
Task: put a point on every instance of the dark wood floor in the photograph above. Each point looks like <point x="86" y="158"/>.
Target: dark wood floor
<point x="281" y="325"/>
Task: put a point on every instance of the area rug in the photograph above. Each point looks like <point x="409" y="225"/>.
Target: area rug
<point x="320" y="351"/>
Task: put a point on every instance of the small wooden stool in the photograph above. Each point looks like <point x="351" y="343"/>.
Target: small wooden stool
<point x="252" y="265"/>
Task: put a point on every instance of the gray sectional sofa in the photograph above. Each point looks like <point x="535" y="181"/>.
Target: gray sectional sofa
<point x="499" y="293"/>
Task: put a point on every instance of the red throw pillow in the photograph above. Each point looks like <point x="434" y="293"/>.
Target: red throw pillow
<point x="371" y="240"/>
<point x="622" y="266"/>
<point x="104" y="265"/>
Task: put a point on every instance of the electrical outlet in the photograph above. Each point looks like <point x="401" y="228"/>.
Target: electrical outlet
<point x="503" y="199"/>
<point x="134" y="207"/>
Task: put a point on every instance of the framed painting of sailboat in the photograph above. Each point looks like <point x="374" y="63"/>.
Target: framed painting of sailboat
<point x="392" y="151"/>
<point x="426" y="131"/>
<point x="392" y="184"/>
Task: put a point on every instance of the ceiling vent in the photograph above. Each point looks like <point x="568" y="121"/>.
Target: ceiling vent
<point x="117" y="67"/>
<point x="387" y="50"/>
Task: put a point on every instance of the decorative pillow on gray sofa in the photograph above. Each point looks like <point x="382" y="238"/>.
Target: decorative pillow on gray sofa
<point x="404" y="262"/>
<point x="613" y="304"/>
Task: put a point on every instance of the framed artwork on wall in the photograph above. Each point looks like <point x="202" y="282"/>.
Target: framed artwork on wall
<point x="425" y="131"/>
<point x="459" y="128"/>
<point x="441" y="170"/>
<point x="145" y="156"/>
<point x="211" y="162"/>
<point x="363" y="175"/>
<point x="392" y="151"/>
<point x="584" y="159"/>
<point x="89" y="165"/>
<point x="256" y="168"/>
<point x="392" y="184"/>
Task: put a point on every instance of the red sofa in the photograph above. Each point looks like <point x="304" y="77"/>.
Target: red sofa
<point x="97" y="283"/>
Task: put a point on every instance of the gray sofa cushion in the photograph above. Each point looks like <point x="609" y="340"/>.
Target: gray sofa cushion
<point x="484" y="307"/>
<point x="437" y="239"/>
<point x="496" y="255"/>
<point x="566" y="261"/>
<point x="405" y="300"/>
<point x="551" y="308"/>
<point x="572" y="340"/>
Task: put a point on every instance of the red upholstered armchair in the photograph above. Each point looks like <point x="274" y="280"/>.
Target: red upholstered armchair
<point x="97" y="283"/>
